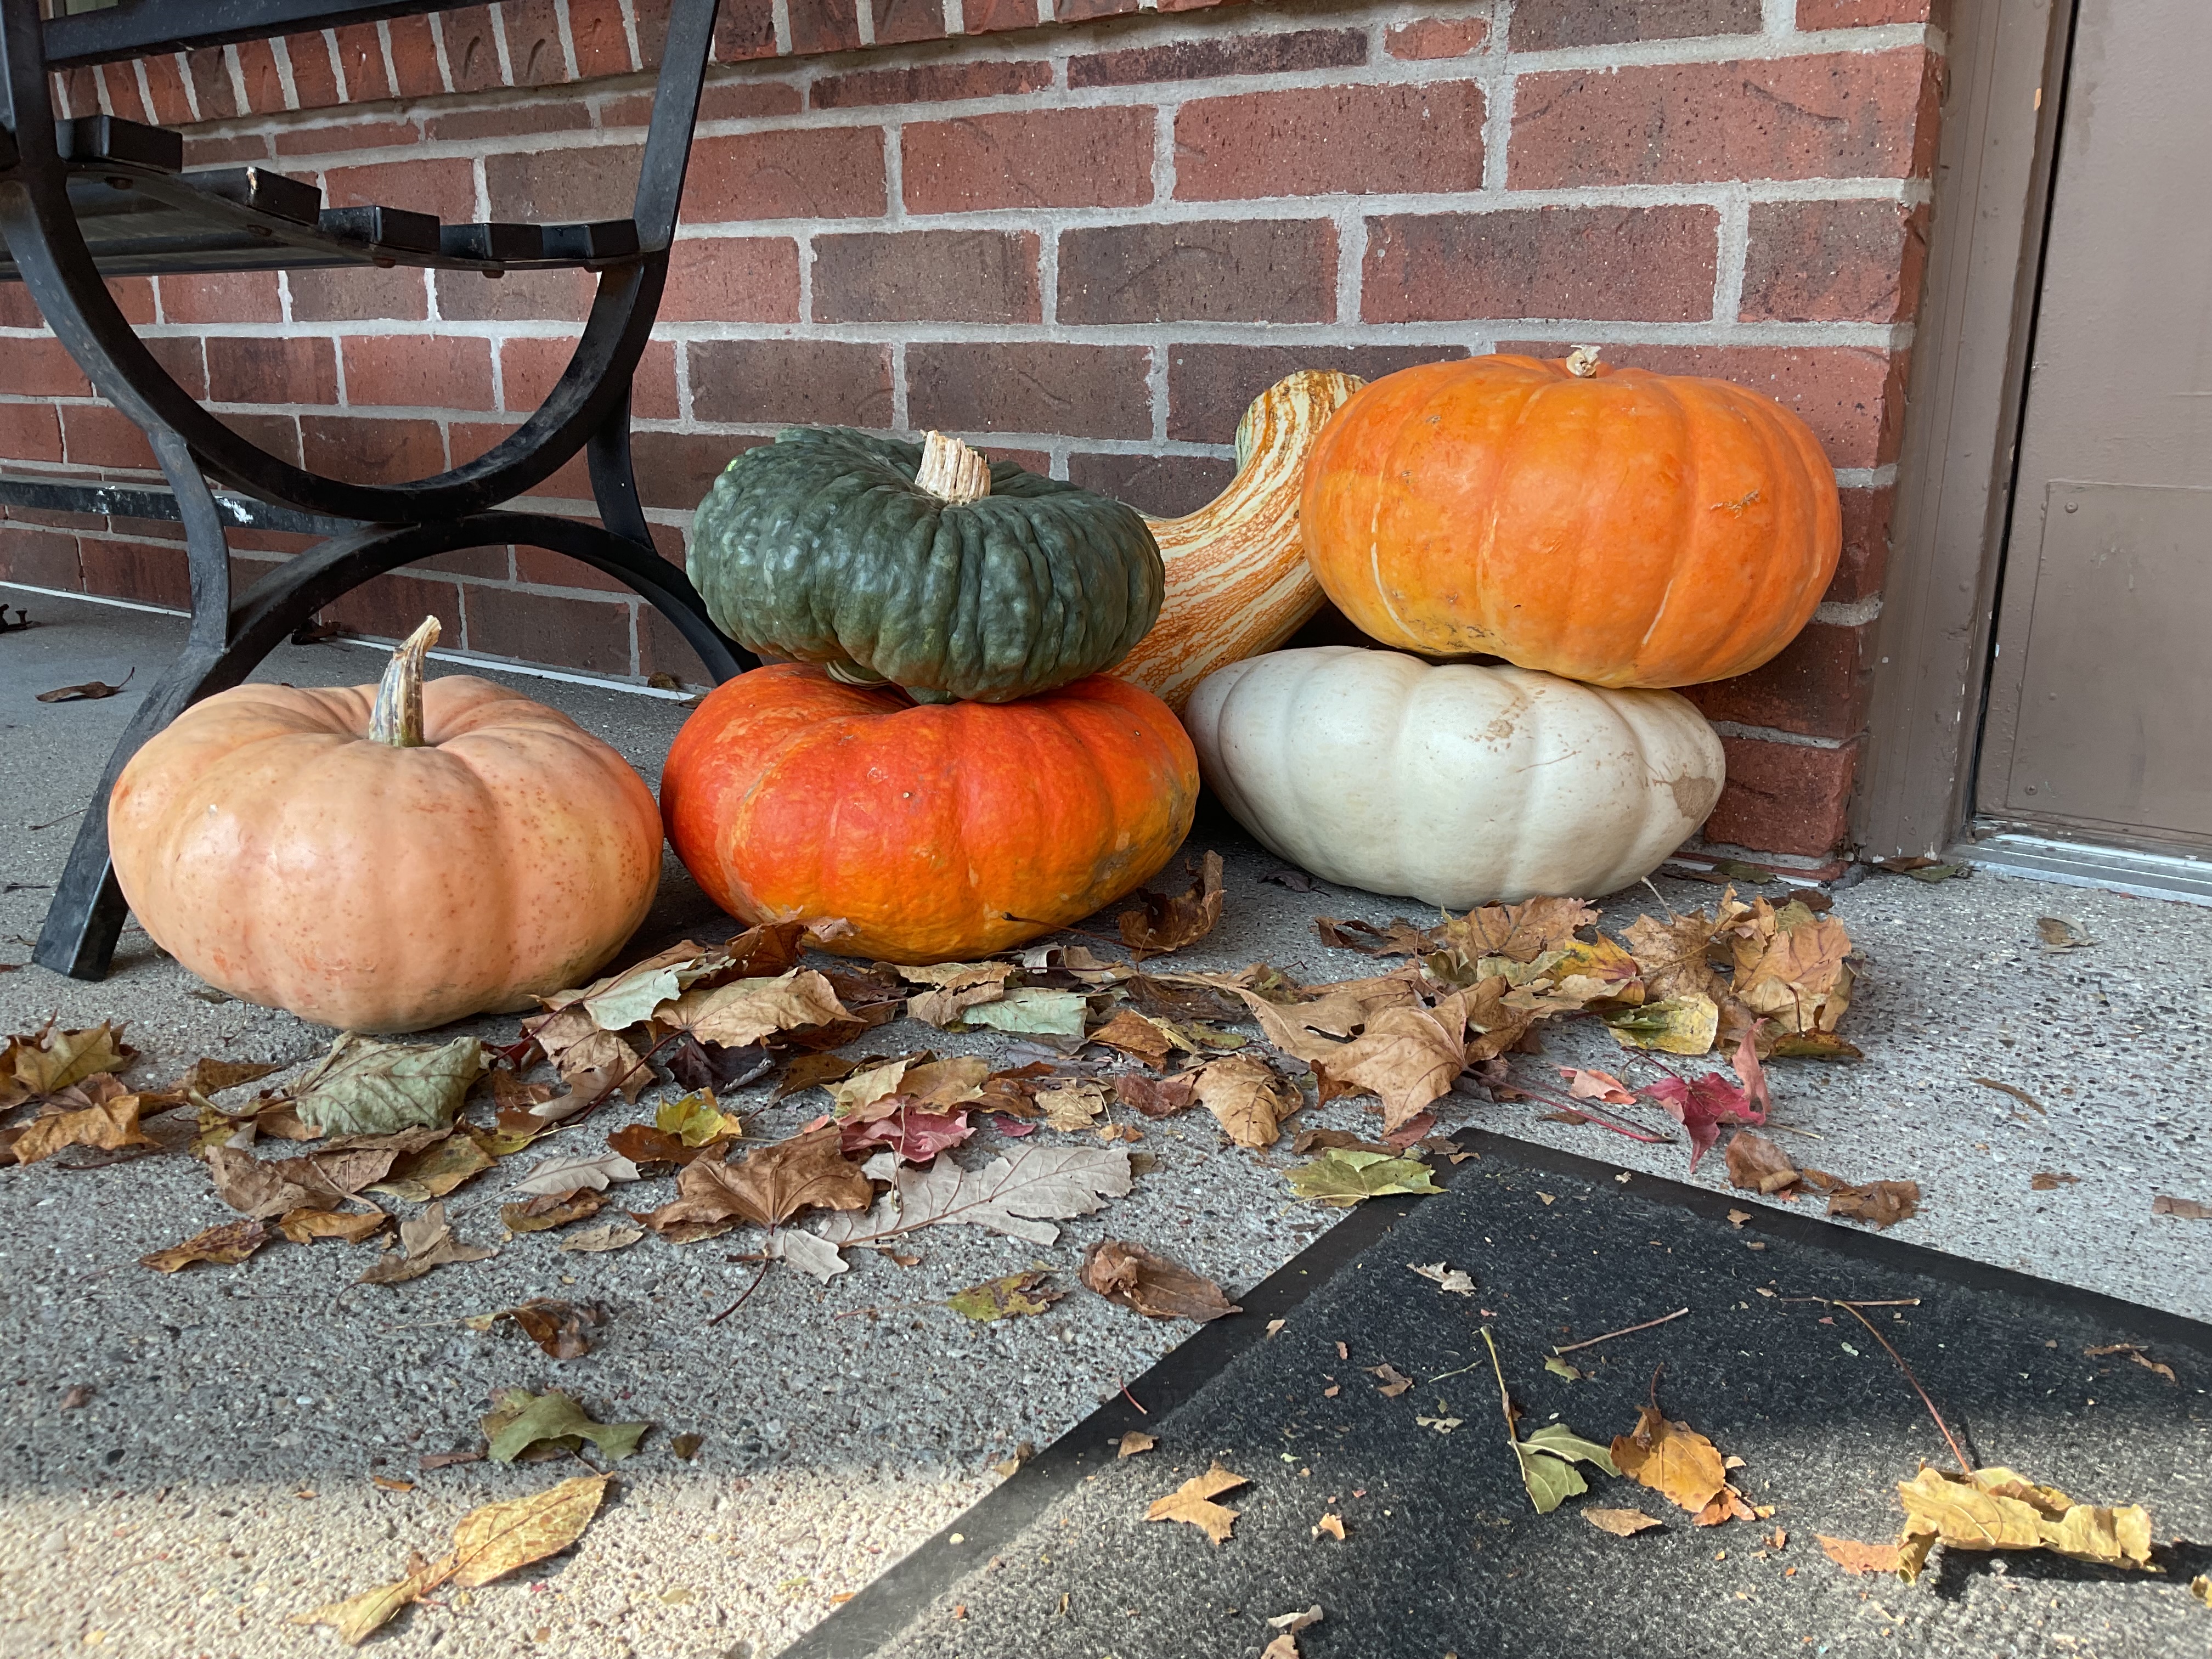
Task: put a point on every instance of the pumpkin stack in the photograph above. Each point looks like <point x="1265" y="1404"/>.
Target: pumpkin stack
<point x="1608" y="533"/>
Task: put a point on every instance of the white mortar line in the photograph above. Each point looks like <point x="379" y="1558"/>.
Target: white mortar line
<point x="566" y="31"/>
<point x="497" y="17"/>
<point x="236" y="70"/>
<point x="280" y="51"/>
<point x="1734" y="251"/>
<point x="781" y="11"/>
<point x="630" y="31"/>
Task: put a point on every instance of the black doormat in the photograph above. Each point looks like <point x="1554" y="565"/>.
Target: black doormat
<point x="1443" y="1554"/>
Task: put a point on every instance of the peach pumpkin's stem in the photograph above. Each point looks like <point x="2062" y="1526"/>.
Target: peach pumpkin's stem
<point x="1582" y="362"/>
<point x="396" y="720"/>
<point x="951" y="471"/>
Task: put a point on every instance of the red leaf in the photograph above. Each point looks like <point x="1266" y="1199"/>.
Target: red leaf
<point x="1012" y="1127"/>
<point x="916" y="1137"/>
<point x="1702" y="1104"/>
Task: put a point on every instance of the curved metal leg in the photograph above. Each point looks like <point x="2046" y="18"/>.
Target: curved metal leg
<point x="87" y="914"/>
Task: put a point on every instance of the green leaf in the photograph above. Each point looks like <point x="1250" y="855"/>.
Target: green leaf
<point x="1678" y="1026"/>
<point x="520" y="1419"/>
<point x="1037" y="1013"/>
<point x="1550" y="1481"/>
<point x="1343" y="1178"/>
<point x="1563" y="1442"/>
<point x="1559" y="1367"/>
<point x="365" y="1087"/>
<point x="1001" y="1298"/>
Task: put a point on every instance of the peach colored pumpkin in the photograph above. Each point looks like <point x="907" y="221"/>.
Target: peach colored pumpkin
<point x="280" y="852"/>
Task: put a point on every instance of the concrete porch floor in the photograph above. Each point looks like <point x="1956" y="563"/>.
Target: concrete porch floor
<point x="219" y="1480"/>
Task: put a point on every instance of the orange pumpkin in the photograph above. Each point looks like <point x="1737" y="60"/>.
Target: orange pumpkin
<point x="385" y="859"/>
<point x="1612" y="525"/>
<point x="940" y="832"/>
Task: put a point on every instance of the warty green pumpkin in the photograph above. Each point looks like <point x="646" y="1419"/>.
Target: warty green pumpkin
<point x="921" y="566"/>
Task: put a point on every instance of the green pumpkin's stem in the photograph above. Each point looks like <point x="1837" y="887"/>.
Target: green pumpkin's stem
<point x="950" y="471"/>
<point x="396" y="720"/>
<point x="1582" y="362"/>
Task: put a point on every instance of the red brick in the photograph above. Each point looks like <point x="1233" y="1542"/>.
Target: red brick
<point x="662" y="650"/>
<point x="652" y="18"/>
<point x="744" y="100"/>
<point x="565" y="185"/>
<point x="330" y="138"/>
<point x="1091" y="391"/>
<point x="265" y="86"/>
<point x="1191" y="5"/>
<point x="534" y="54"/>
<point x="1652" y="265"/>
<point x="38" y="558"/>
<point x="17" y="308"/>
<point x="1817" y="687"/>
<point x="925" y="83"/>
<point x="1547" y="25"/>
<point x="151" y="573"/>
<point x="1833" y="262"/>
<point x="1325" y="141"/>
<point x="1083" y="11"/>
<point x="520" y="296"/>
<point x="363" y="451"/>
<point x="208" y="69"/>
<point x="1430" y="37"/>
<point x="814" y="173"/>
<point x="165" y="81"/>
<point x="30" y="432"/>
<point x="1165" y="486"/>
<point x="360" y="62"/>
<point x="1865" y="558"/>
<point x="1274" y="270"/>
<point x="590" y="634"/>
<point x="466" y="440"/>
<point x="94" y="434"/>
<point x="294" y="369"/>
<point x="819" y="25"/>
<point x="40" y="368"/>
<point x="488" y="563"/>
<point x="414" y="58"/>
<point x="542" y="568"/>
<point x="249" y="296"/>
<point x="1210" y="386"/>
<point x="1205" y="56"/>
<point x="602" y="42"/>
<point x="844" y="383"/>
<point x="900" y="22"/>
<point x="1852" y="14"/>
<point x="109" y="87"/>
<point x="275" y="541"/>
<point x="530" y="367"/>
<point x="1029" y="460"/>
<point x="744" y="30"/>
<point x="1852" y="396"/>
<point x="471" y="49"/>
<point x="733" y="279"/>
<point x="397" y="296"/>
<point x="392" y="607"/>
<point x="184" y="360"/>
<point x="445" y="188"/>
<point x="1784" y="797"/>
<point x="989" y="16"/>
<point x="414" y="371"/>
<point x="1044" y="158"/>
<point x="510" y="121"/>
<point x="677" y="469"/>
<point x="1846" y="115"/>
<point x="276" y="434"/>
<point x="928" y="276"/>
<point x="314" y="72"/>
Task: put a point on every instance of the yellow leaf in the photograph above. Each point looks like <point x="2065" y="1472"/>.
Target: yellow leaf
<point x="359" y="1617"/>
<point x="1672" y="1459"/>
<point x="111" y="1124"/>
<point x="1246" y="1098"/>
<point x="1998" y="1509"/>
<point x="1678" y="1026"/>
<point x="500" y="1538"/>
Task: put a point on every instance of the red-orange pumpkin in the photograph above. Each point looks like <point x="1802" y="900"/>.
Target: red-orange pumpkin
<point x="939" y="832"/>
<point x="1612" y="525"/>
<point x="385" y="858"/>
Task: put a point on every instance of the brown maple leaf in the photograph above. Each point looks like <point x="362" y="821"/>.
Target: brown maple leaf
<point x="1520" y="932"/>
<point x="1168" y="924"/>
<point x="1161" y="1097"/>
<point x="1399" y="939"/>
<point x="1137" y="1036"/>
<point x="232" y="1242"/>
<point x="425" y="1242"/>
<point x="1151" y="1284"/>
<point x="769" y="1186"/>
<point x="1246" y="1098"/>
<point x="51" y="1060"/>
<point x="107" y="1122"/>
<point x="1406" y="1057"/>
<point x="1192" y="1502"/>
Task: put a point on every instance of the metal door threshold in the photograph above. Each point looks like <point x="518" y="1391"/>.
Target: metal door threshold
<point x="2174" y="876"/>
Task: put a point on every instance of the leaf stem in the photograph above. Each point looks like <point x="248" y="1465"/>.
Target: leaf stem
<point x="1504" y="1400"/>
<point x="1966" y="1463"/>
<point x="1625" y="1330"/>
<point x="742" y="1300"/>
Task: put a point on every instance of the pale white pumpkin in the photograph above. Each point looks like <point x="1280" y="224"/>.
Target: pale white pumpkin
<point x="1454" y="784"/>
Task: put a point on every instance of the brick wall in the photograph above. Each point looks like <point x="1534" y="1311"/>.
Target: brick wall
<point x="1083" y="234"/>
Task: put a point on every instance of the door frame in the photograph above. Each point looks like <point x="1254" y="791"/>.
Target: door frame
<point x="1973" y="337"/>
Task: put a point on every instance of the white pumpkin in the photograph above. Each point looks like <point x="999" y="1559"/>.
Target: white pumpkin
<point x="1454" y="784"/>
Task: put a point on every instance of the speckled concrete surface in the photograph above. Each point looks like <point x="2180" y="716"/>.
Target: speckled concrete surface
<point x="219" y="1480"/>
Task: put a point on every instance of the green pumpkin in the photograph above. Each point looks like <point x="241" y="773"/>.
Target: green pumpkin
<point x="822" y="547"/>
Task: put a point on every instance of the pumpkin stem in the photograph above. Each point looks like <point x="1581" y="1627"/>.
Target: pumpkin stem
<point x="950" y="471"/>
<point x="396" y="720"/>
<point x="1582" y="362"/>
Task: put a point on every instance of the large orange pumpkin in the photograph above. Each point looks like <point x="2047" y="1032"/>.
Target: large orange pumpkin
<point x="385" y="859"/>
<point x="939" y="832"/>
<point x="1612" y="525"/>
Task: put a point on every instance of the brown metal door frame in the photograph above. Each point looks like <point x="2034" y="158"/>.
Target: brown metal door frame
<point x="1972" y="341"/>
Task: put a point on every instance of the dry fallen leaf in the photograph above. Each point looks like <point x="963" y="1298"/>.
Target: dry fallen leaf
<point x="425" y="1242"/>
<point x="1168" y="924"/>
<point x="1680" y="1465"/>
<point x="90" y="691"/>
<point x="1342" y="1178"/>
<point x="1151" y="1284"/>
<point x="557" y="1327"/>
<point x="1133" y="1441"/>
<point x="1757" y="1165"/>
<point x="1857" y="1558"/>
<point x="303" y="1226"/>
<point x="1137" y="1036"/>
<point x="744" y="1011"/>
<point x="520" y="1421"/>
<point x="110" y="1124"/>
<point x="1621" y="1523"/>
<point x="1445" y="1277"/>
<point x="2135" y="1353"/>
<point x="367" y="1086"/>
<point x="767" y="1188"/>
<point x="1163" y="1096"/>
<point x="1192" y="1502"/>
<point x="1286" y="1644"/>
<point x="1071" y="1104"/>
<point x="1001" y="1299"/>
<point x="2056" y="934"/>
<point x="52" y="1059"/>
<point x="1246" y="1098"/>
<point x="1331" y="1523"/>
<point x="2188" y="1209"/>
<point x="549" y="1210"/>
<point x="1406" y="1057"/>
<point x="1998" y="1509"/>
<point x="231" y="1243"/>
<point x="2050" y="1181"/>
<point x="607" y="1236"/>
<point x="1393" y="1384"/>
